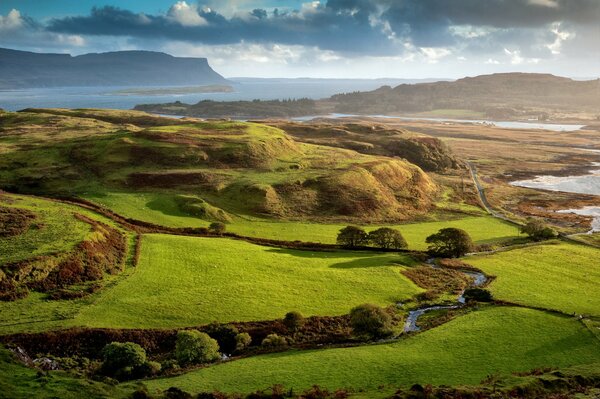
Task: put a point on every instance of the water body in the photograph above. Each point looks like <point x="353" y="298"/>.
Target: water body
<point x="479" y="279"/>
<point x="585" y="184"/>
<point x="500" y="124"/>
<point x="244" y="89"/>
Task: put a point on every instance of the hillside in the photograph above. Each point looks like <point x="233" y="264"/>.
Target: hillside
<point x="21" y="69"/>
<point x="502" y="95"/>
<point x="212" y="170"/>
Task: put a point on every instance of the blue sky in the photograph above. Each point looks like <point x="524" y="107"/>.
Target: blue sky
<point x="329" y="38"/>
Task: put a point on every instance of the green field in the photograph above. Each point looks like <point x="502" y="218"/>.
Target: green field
<point x="18" y="381"/>
<point x="161" y="209"/>
<point x="557" y="276"/>
<point x="54" y="229"/>
<point x="184" y="281"/>
<point x="463" y="351"/>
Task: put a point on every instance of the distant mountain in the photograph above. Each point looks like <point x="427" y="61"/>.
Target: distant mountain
<point x="497" y="95"/>
<point x="22" y="69"/>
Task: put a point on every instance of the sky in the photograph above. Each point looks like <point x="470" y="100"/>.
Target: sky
<point x="325" y="39"/>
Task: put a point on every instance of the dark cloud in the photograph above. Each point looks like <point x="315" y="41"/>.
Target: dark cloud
<point x="377" y="27"/>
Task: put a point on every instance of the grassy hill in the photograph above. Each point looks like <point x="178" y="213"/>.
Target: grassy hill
<point x="463" y="351"/>
<point x="502" y="95"/>
<point x="234" y="167"/>
<point x="558" y="276"/>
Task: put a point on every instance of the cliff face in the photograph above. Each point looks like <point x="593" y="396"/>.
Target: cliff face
<point x="21" y="69"/>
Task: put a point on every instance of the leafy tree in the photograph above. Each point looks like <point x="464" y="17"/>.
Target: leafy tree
<point x="193" y="347"/>
<point x="274" y="341"/>
<point x="449" y="242"/>
<point x="352" y="237"/>
<point x="537" y="230"/>
<point x="217" y="227"/>
<point x="387" y="238"/>
<point x="477" y="294"/>
<point x="370" y="320"/>
<point x="118" y="356"/>
<point x="293" y="321"/>
<point x="224" y="334"/>
<point x="242" y="341"/>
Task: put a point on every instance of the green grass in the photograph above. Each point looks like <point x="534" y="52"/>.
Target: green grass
<point x="162" y="209"/>
<point x="463" y="351"/>
<point x="18" y="381"/>
<point x="558" y="276"/>
<point x="184" y="281"/>
<point x="54" y="230"/>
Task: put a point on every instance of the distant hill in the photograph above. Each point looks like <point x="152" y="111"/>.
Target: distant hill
<point x="497" y="95"/>
<point x="22" y="69"/>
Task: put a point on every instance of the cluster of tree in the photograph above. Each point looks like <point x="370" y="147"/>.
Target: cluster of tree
<point x="537" y="230"/>
<point x="370" y="322"/>
<point x="449" y="242"/>
<point x="384" y="237"/>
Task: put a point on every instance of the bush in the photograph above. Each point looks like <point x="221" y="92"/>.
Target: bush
<point x="294" y="321"/>
<point x="387" y="238"/>
<point x="217" y="227"/>
<point x="538" y="231"/>
<point x="370" y="320"/>
<point x="477" y="294"/>
<point x="352" y="237"/>
<point x="225" y="334"/>
<point x="242" y="341"/>
<point x="193" y="347"/>
<point x="449" y="243"/>
<point x="121" y="358"/>
<point x="274" y="341"/>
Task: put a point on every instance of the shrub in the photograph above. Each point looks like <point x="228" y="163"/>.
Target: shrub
<point x="242" y="341"/>
<point x="217" y="227"/>
<point x="352" y="237"/>
<point x="387" y="238"/>
<point x="538" y="231"/>
<point x="193" y="346"/>
<point x="274" y="341"/>
<point x="449" y="242"/>
<point x="121" y="358"/>
<point x="294" y="321"/>
<point x="370" y="320"/>
<point x="149" y="369"/>
<point x="477" y="294"/>
<point x="225" y="334"/>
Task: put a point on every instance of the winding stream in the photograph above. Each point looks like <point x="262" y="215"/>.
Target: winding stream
<point x="479" y="279"/>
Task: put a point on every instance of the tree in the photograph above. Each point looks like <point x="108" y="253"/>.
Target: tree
<point x="387" y="238"/>
<point x="293" y="321"/>
<point x="242" y="341"/>
<point x="274" y="341"/>
<point x="120" y="359"/>
<point x="224" y="334"/>
<point x="450" y="243"/>
<point x="217" y="228"/>
<point x="537" y="230"/>
<point x="193" y="346"/>
<point x="477" y="294"/>
<point x="370" y="320"/>
<point x="352" y="237"/>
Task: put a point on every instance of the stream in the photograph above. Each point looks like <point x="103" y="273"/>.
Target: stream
<point x="479" y="279"/>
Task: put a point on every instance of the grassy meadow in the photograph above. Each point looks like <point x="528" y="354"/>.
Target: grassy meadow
<point x="183" y="281"/>
<point x="162" y="209"/>
<point x="463" y="351"/>
<point x="560" y="276"/>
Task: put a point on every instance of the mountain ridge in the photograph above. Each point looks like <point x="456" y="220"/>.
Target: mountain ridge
<point x="23" y="69"/>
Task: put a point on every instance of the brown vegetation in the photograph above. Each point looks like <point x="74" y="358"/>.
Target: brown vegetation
<point x="14" y="221"/>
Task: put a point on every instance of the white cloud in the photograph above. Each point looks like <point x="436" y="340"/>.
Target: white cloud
<point x="491" y="61"/>
<point x="185" y="14"/>
<point x="517" y="59"/>
<point x="434" y="54"/>
<point x="544" y="3"/>
<point x="560" y="36"/>
<point x="11" y="21"/>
